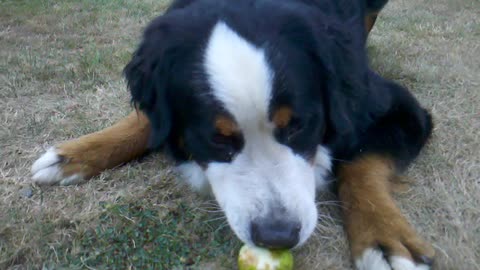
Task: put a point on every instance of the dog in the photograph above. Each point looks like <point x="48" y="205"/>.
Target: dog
<point x="262" y="103"/>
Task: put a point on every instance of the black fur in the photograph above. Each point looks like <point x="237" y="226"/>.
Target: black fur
<point x="375" y="5"/>
<point x="316" y="47"/>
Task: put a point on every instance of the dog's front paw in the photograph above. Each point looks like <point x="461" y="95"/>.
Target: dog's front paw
<point x="54" y="167"/>
<point x="376" y="258"/>
<point x="391" y="244"/>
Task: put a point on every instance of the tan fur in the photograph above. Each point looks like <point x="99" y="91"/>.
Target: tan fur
<point x="370" y="21"/>
<point x="226" y="126"/>
<point x="120" y="143"/>
<point x="371" y="217"/>
<point x="282" y="116"/>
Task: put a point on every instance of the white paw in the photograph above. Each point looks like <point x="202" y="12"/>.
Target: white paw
<point x="373" y="259"/>
<point x="193" y="174"/>
<point x="48" y="170"/>
<point x="323" y="167"/>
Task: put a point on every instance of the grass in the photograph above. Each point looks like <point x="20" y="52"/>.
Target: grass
<point x="132" y="235"/>
<point x="60" y="73"/>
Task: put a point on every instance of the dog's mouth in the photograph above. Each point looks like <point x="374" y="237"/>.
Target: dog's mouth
<point x="268" y="201"/>
<point x="273" y="231"/>
<point x="274" y="228"/>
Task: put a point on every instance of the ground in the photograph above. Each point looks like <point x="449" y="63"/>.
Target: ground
<point x="60" y="73"/>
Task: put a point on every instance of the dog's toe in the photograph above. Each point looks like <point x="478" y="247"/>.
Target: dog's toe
<point x="402" y="263"/>
<point x="49" y="169"/>
<point x="372" y="259"/>
<point x="377" y="259"/>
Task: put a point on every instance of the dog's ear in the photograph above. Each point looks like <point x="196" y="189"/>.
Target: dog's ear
<point x="339" y="49"/>
<point x="336" y="47"/>
<point x="148" y="75"/>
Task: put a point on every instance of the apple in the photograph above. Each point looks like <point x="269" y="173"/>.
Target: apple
<point x="256" y="258"/>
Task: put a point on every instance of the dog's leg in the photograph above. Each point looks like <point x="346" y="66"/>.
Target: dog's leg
<point x="79" y="159"/>
<point x="380" y="237"/>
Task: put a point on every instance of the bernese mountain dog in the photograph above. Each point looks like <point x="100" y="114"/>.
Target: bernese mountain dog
<point x="264" y="103"/>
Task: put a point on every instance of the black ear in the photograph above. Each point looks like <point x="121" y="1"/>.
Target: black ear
<point x="339" y="49"/>
<point x="147" y="76"/>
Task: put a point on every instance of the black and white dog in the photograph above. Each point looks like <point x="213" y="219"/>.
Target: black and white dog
<point x="261" y="102"/>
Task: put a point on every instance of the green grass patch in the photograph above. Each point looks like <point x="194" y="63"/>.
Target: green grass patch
<point x="21" y="10"/>
<point x="133" y="235"/>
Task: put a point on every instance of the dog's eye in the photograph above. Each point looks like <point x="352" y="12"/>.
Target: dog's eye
<point x="221" y="140"/>
<point x="293" y="129"/>
<point x="290" y="132"/>
<point x="225" y="146"/>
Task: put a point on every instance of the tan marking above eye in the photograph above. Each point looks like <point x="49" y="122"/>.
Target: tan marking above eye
<point x="226" y="126"/>
<point x="282" y="116"/>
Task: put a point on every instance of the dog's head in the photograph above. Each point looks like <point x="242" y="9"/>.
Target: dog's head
<point x="246" y="105"/>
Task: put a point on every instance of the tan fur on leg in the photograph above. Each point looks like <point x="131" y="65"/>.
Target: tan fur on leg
<point x="372" y="220"/>
<point x="89" y="155"/>
<point x="370" y="21"/>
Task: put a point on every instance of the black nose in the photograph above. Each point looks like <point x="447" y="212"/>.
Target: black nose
<point x="275" y="234"/>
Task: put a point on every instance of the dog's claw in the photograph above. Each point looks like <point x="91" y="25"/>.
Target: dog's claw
<point x="425" y="260"/>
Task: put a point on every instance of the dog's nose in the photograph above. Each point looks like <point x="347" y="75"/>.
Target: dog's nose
<point x="275" y="234"/>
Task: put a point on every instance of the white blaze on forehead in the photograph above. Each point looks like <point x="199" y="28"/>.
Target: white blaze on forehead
<point x="238" y="73"/>
<point x="264" y="173"/>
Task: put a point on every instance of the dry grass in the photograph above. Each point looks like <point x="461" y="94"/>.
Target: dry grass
<point x="60" y="78"/>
